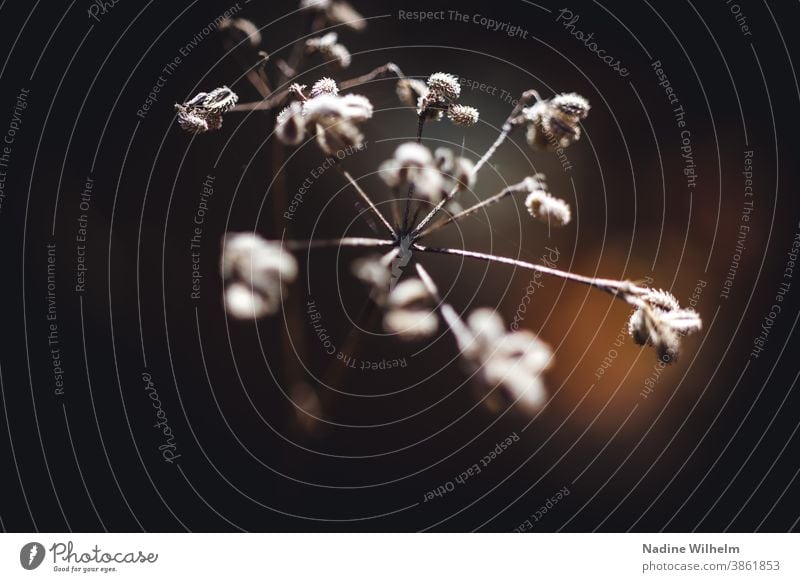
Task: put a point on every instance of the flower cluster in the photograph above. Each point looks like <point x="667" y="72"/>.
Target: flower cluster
<point x="255" y="272"/>
<point x="332" y="116"/>
<point x="554" y="123"/>
<point x="436" y="98"/>
<point x="205" y="110"/>
<point x="659" y="321"/>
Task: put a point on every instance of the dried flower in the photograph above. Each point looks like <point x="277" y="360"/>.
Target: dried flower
<point x="658" y="320"/>
<point x="554" y="123"/>
<point x="241" y="30"/>
<point x="458" y="173"/>
<point x="325" y="86"/>
<point x="191" y="121"/>
<point x="571" y="106"/>
<point x="290" y="125"/>
<point x="333" y="117"/>
<point x="409" y="313"/>
<point x="547" y="208"/>
<point x="413" y="165"/>
<point x="512" y="361"/>
<point x="335" y="135"/>
<point x="445" y="85"/>
<point x="204" y="111"/>
<point x="336" y="12"/>
<point x="255" y="272"/>
<point x="463" y="115"/>
<point x="409" y="91"/>
<point x="437" y="98"/>
<point x="329" y="47"/>
<point x="445" y="160"/>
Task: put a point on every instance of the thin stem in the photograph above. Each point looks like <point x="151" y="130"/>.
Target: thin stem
<point x="299" y="245"/>
<point x="463" y="335"/>
<point x="366" y="199"/>
<point x="508" y="127"/>
<point x="624" y="289"/>
<point x="372" y="75"/>
<point x="277" y="99"/>
<point x="410" y="194"/>
<point x="271" y="102"/>
<point x="472" y="209"/>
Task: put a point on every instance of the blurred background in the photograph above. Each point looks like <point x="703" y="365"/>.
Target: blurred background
<point x="270" y="432"/>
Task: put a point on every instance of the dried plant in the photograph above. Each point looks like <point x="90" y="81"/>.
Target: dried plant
<point x="509" y="365"/>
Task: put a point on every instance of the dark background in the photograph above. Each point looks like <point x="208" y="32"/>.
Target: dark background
<point x="713" y="447"/>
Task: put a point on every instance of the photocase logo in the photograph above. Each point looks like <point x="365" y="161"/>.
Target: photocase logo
<point x="31" y="555"/>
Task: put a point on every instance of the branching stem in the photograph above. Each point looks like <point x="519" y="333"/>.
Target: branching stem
<point x="508" y="127"/>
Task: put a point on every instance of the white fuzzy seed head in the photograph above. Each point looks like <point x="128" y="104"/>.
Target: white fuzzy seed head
<point x="445" y="85"/>
<point x="547" y="208"/>
<point x="571" y="105"/>
<point x="463" y="115"/>
<point x="325" y="86"/>
<point x="255" y="272"/>
<point x="290" y="125"/>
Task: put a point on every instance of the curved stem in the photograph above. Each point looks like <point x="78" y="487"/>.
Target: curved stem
<point x="372" y="75"/>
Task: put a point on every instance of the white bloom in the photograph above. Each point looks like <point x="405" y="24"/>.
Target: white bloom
<point x="356" y="108"/>
<point x="445" y="85"/>
<point x="290" y="126"/>
<point x="409" y="314"/>
<point x="547" y="208"/>
<point x="413" y="165"/>
<point x="512" y="361"/>
<point x="554" y="123"/>
<point x="332" y="116"/>
<point x="255" y="272"/>
<point x="659" y="321"/>
<point x="325" y="86"/>
<point x="463" y="115"/>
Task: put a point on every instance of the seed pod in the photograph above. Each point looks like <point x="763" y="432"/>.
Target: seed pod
<point x="445" y="85"/>
<point x="463" y="115"/>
